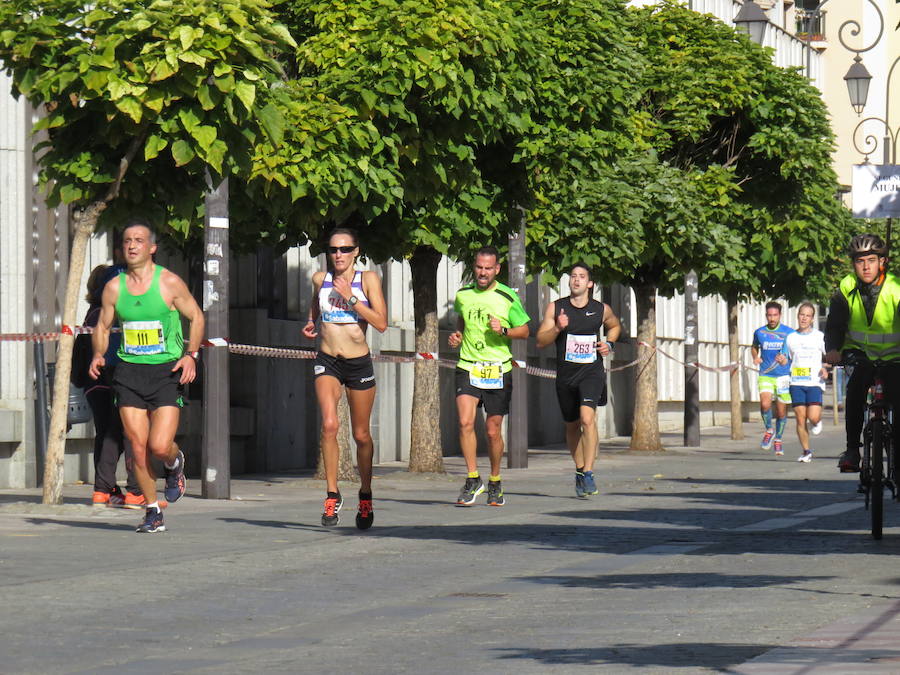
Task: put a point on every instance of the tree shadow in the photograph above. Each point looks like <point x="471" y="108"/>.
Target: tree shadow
<point x="669" y="580"/>
<point x="687" y="654"/>
<point x="100" y="525"/>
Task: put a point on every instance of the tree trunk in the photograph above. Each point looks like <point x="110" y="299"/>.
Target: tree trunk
<point x="645" y="432"/>
<point x="59" y="408"/>
<point x="425" y="452"/>
<point x="85" y="222"/>
<point x="346" y="468"/>
<point x="737" y="413"/>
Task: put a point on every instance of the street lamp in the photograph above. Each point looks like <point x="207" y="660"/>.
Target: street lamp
<point x="753" y="21"/>
<point x="858" y="79"/>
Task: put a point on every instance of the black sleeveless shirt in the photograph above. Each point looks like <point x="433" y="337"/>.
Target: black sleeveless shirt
<point x="587" y="320"/>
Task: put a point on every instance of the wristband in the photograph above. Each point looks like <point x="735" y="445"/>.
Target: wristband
<point x="193" y="355"/>
<point x="611" y="345"/>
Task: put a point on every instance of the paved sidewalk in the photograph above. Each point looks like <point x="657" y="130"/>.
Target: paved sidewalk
<point x="713" y="559"/>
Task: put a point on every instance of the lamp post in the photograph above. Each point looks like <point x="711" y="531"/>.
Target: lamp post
<point x="858" y="80"/>
<point x="752" y="20"/>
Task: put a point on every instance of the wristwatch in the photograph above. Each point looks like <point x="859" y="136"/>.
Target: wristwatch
<point x="352" y="301"/>
<point x="504" y="331"/>
<point x="193" y="355"/>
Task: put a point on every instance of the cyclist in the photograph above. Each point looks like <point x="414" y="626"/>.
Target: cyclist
<point x="774" y="378"/>
<point x="864" y="325"/>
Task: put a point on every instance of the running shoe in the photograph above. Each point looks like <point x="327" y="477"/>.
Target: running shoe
<point x="365" y="515"/>
<point x="590" y="487"/>
<point x="153" y="522"/>
<point x="175" y="480"/>
<point x="133" y="500"/>
<point x="333" y="504"/>
<point x="768" y="437"/>
<point x="100" y="498"/>
<point x="116" y="498"/>
<point x="779" y="449"/>
<point x="849" y="461"/>
<point x="806" y="456"/>
<point x="495" y="494"/>
<point x="472" y="488"/>
<point x="579" y="485"/>
<point x="816" y="428"/>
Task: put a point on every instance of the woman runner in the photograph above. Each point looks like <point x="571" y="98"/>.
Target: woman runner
<point x="345" y="302"/>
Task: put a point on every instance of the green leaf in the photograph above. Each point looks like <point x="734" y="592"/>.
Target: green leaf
<point x="154" y="145"/>
<point x="182" y="152"/>
<point x="272" y="123"/>
<point x="246" y="92"/>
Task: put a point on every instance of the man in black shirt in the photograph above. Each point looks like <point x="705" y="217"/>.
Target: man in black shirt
<point x="574" y="324"/>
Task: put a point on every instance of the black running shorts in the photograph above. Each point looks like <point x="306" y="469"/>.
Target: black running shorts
<point x="357" y="373"/>
<point x="585" y="391"/>
<point x="147" y="386"/>
<point x="495" y="401"/>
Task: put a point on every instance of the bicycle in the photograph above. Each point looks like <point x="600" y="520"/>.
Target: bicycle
<point x="878" y="447"/>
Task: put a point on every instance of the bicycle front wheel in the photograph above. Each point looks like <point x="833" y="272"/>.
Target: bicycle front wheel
<point x="876" y="487"/>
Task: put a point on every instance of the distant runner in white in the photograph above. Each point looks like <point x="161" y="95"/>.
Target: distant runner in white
<point x="805" y="349"/>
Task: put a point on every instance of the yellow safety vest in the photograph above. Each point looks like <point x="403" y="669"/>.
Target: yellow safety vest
<point x="879" y="339"/>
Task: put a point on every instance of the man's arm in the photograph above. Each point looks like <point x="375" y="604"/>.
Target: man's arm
<point x="612" y="328"/>
<point x="100" y="336"/>
<point x="836" y="327"/>
<point x="547" y="332"/>
<point x="184" y="302"/>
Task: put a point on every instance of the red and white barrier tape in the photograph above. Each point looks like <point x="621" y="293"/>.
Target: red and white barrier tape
<point x="288" y="353"/>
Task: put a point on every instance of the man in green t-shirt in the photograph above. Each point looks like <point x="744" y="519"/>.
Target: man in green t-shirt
<point x="490" y="316"/>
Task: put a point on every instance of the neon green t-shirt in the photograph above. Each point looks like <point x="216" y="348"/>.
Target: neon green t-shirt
<point x="479" y="342"/>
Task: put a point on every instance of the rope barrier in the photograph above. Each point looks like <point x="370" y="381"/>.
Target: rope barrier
<point x="290" y="353"/>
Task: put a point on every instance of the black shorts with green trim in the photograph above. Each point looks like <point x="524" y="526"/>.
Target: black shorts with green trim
<point x="147" y="385"/>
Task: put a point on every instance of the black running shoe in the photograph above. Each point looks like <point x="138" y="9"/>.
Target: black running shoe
<point x="333" y="504"/>
<point x="495" y="494"/>
<point x="472" y="488"/>
<point x="153" y="522"/>
<point x="175" y="484"/>
<point x="849" y="461"/>
<point x="365" y="516"/>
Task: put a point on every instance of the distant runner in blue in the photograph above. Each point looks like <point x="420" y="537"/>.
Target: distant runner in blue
<point x="774" y="378"/>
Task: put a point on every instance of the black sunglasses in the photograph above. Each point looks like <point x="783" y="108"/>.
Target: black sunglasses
<point x="342" y="249"/>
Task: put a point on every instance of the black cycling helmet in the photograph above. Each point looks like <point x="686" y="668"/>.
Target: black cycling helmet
<point x="866" y="244"/>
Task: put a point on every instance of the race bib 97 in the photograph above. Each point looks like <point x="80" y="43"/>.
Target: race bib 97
<point x="581" y="348"/>
<point x="142" y="338"/>
<point x="487" y="375"/>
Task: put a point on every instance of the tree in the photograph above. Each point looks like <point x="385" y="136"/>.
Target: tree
<point x="475" y="99"/>
<point x="729" y="145"/>
<point x="143" y="102"/>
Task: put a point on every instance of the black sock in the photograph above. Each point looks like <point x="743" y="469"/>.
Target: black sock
<point x="579" y="469"/>
<point x="365" y="495"/>
<point x="334" y="495"/>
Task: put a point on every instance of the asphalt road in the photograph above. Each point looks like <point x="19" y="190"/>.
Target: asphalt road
<point x="717" y="559"/>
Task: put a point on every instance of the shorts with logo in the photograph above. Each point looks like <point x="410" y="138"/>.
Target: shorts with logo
<point x="806" y="395"/>
<point x="357" y="373"/>
<point x="776" y="385"/>
<point x="147" y="385"/>
<point x="587" y="388"/>
<point x="495" y="401"/>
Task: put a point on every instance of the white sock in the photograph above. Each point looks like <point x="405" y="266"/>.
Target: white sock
<point x="154" y="505"/>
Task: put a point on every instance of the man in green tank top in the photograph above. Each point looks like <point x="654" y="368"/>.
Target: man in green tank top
<point x="490" y="317"/>
<point x="149" y="302"/>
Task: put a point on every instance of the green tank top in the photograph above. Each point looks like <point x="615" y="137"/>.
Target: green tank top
<point x="151" y="332"/>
